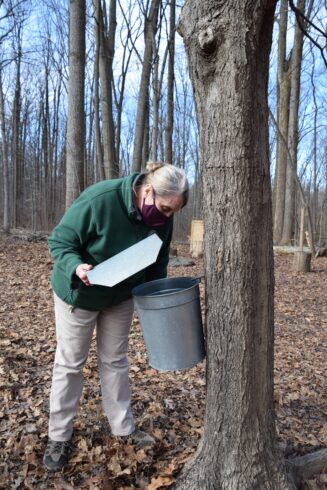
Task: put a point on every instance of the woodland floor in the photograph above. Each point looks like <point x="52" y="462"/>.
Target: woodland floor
<point x="169" y="405"/>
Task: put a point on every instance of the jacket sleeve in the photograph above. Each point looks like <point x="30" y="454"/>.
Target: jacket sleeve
<point x="158" y="270"/>
<point x="70" y="236"/>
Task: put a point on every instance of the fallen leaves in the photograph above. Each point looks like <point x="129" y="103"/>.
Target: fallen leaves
<point x="169" y="405"/>
<point x="160" y="481"/>
<point x="300" y="354"/>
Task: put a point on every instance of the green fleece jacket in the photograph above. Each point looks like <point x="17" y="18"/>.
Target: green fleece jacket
<point x="99" y="224"/>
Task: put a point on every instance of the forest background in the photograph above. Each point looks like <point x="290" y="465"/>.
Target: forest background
<point x="96" y="90"/>
<point x="139" y="106"/>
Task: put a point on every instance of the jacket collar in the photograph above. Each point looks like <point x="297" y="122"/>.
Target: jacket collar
<point x="127" y="191"/>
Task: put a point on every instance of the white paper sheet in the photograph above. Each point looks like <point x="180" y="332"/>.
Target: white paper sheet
<point x="126" y="263"/>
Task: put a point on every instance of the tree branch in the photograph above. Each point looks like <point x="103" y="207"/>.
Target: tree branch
<point x="301" y="19"/>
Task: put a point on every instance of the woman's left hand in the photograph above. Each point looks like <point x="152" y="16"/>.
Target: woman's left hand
<point x="81" y="271"/>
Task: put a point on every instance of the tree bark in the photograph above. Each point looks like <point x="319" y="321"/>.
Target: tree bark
<point x="76" y="123"/>
<point x="228" y="45"/>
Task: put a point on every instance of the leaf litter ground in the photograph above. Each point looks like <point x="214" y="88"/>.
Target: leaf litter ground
<point x="169" y="405"/>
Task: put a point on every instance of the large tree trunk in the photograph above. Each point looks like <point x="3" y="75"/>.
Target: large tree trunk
<point x="150" y="28"/>
<point x="228" y="45"/>
<point x="76" y="124"/>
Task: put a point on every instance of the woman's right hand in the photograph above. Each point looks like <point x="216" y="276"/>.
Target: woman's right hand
<point x="81" y="271"/>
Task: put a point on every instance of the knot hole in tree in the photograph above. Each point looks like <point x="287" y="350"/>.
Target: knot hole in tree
<point x="207" y="41"/>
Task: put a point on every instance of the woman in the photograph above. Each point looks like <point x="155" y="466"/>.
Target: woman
<point x="107" y="218"/>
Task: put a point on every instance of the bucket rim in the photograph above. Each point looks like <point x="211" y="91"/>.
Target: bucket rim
<point x="195" y="280"/>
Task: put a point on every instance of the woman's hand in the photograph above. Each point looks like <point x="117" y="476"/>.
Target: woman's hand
<point x="81" y="271"/>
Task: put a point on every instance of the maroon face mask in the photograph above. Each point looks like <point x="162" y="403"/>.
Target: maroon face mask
<point x="152" y="216"/>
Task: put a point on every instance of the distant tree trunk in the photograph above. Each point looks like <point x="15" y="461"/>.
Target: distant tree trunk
<point x="89" y="164"/>
<point x="119" y="89"/>
<point x="146" y="135"/>
<point x="157" y="82"/>
<point x="155" y="105"/>
<point x="293" y="130"/>
<point x="55" y="139"/>
<point x="25" y="167"/>
<point x="283" y="104"/>
<point x="37" y="212"/>
<point x="228" y="45"/>
<point x="170" y="86"/>
<point x="46" y="160"/>
<point x="114" y="168"/>
<point x="315" y="186"/>
<point x="98" y="155"/>
<point x="119" y="102"/>
<point x="15" y="146"/>
<point x="150" y="27"/>
<point x="107" y="47"/>
<point x="76" y="125"/>
<point x="4" y="152"/>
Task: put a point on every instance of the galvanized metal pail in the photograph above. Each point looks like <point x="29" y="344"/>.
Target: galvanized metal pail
<point x="170" y="317"/>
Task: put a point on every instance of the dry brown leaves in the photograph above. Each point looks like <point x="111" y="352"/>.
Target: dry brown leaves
<point x="169" y="405"/>
<point x="300" y="354"/>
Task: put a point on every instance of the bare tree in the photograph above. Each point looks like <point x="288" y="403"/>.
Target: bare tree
<point x="293" y="136"/>
<point x="283" y="104"/>
<point x="170" y="85"/>
<point x="106" y="55"/>
<point x="129" y="33"/>
<point x="157" y="82"/>
<point x="98" y="153"/>
<point x="315" y="169"/>
<point x="16" y="132"/>
<point x="4" y="148"/>
<point x="150" y="28"/>
<point x="288" y="102"/>
<point x="75" y="129"/>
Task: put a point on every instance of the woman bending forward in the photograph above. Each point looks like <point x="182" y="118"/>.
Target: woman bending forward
<point x="105" y="219"/>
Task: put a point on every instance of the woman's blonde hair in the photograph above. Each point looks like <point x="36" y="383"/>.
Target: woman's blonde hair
<point x="167" y="180"/>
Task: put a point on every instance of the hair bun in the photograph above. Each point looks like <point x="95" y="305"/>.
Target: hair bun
<point x="153" y="166"/>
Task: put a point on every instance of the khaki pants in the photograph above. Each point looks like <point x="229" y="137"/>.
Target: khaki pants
<point x="74" y="329"/>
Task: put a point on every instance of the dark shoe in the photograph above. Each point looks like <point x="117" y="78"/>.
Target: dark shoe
<point x="139" y="438"/>
<point x="56" y="455"/>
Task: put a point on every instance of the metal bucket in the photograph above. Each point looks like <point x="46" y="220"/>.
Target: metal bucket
<point x="170" y="317"/>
